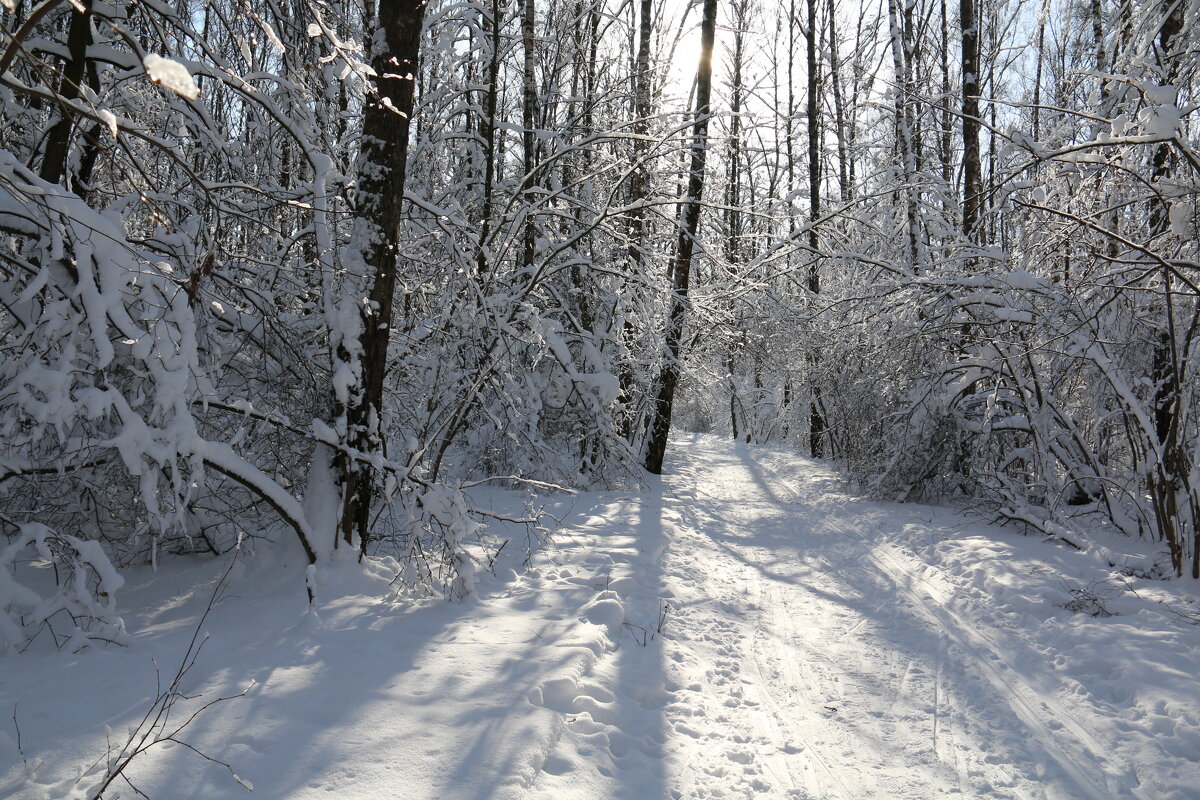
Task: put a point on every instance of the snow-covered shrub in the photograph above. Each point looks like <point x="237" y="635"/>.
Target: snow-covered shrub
<point x="145" y="337"/>
<point x="60" y="584"/>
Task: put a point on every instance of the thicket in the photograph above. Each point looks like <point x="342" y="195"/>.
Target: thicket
<point x="958" y="259"/>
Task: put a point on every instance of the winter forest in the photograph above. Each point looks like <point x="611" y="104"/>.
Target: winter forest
<point x="385" y="286"/>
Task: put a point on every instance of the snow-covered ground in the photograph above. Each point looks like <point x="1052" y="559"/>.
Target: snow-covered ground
<point x="743" y="628"/>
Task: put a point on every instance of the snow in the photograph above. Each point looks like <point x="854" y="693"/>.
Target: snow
<point x="1161" y="122"/>
<point x="109" y="119"/>
<point x="170" y="74"/>
<point x="741" y="628"/>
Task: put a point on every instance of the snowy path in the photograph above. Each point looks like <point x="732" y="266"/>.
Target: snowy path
<point x="740" y="629"/>
<point x="852" y="676"/>
<point x="812" y="652"/>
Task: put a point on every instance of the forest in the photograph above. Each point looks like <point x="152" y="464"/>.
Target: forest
<point x="599" y="399"/>
<point x="323" y="267"/>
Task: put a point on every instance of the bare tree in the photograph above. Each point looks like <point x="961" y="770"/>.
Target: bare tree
<point x="972" y="166"/>
<point x="374" y="250"/>
<point x="668" y="376"/>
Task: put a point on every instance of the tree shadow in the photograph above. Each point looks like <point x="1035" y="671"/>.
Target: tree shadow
<point x="433" y="700"/>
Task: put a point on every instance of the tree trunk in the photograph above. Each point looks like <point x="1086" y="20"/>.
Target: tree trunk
<point x="972" y="167"/>
<point x="378" y="227"/>
<point x="636" y="221"/>
<point x="660" y="425"/>
<point x="1037" y="75"/>
<point x="816" y="430"/>
<point x="528" y="137"/>
<point x="789" y="127"/>
<point x="911" y="117"/>
<point x="58" y="138"/>
<point x="641" y="110"/>
<point x="947" y="125"/>
<point x="1168" y="483"/>
<point x="482" y="255"/>
<point x="845" y="172"/>
<point x="904" y="132"/>
<point x="733" y="198"/>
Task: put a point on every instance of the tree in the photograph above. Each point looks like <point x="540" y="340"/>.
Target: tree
<point x="374" y="250"/>
<point x="972" y="166"/>
<point x="689" y="225"/>
<point x="816" y="427"/>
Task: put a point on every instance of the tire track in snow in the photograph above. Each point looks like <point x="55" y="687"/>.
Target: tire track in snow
<point x="770" y="687"/>
<point x="718" y="707"/>
<point x="796" y="680"/>
<point x="944" y="744"/>
<point x="1031" y="703"/>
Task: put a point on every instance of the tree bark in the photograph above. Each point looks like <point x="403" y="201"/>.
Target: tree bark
<point x="947" y="126"/>
<point x="528" y="137"/>
<point x="1168" y="484"/>
<point x="1041" y="58"/>
<point x="733" y="199"/>
<point x="845" y="172"/>
<point x="904" y="131"/>
<point x="639" y="182"/>
<point x="58" y="138"/>
<point x="972" y="166"/>
<point x="482" y="256"/>
<point x="641" y="127"/>
<point x="681" y="273"/>
<point x="816" y="426"/>
<point x="378" y="228"/>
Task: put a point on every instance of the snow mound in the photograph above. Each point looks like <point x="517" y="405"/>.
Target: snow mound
<point x="607" y="611"/>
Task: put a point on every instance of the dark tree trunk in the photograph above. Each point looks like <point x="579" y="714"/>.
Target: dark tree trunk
<point x="528" y="138"/>
<point x="1168" y="485"/>
<point x="947" y="126"/>
<point x="58" y="138"/>
<point x="845" y="172"/>
<point x="660" y="425"/>
<point x="816" y="430"/>
<point x="378" y="207"/>
<point x="904" y="130"/>
<point x="972" y="166"/>
<point x="638" y="188"/>
<point x="1037" y="76"/>
<point x="482" y="259"/>
<point x="733" y="200"/>
<point x="638" y="180"/>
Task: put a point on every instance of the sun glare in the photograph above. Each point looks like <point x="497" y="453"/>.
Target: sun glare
<point x="686" y="56"/>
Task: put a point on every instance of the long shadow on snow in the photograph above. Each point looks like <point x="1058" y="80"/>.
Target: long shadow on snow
<point x="626" y="733"/>
<point x="823" y="550"/>
<point x="644" y="665"/>
<point x="434" y="671"/>
<point x="444" y="688"/>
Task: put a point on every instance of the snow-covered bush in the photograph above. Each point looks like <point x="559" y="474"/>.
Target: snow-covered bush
<point x="59" y="584"/>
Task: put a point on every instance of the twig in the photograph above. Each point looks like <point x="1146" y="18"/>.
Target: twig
<point x="152" y="729"/>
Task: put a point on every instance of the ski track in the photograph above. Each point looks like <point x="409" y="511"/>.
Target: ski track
<point x="811" y="654"/>
<point x="740" y="629"/>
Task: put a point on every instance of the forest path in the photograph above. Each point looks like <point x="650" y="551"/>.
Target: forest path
<point x="741" y="628"/>
<point x="812" y="651"/>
